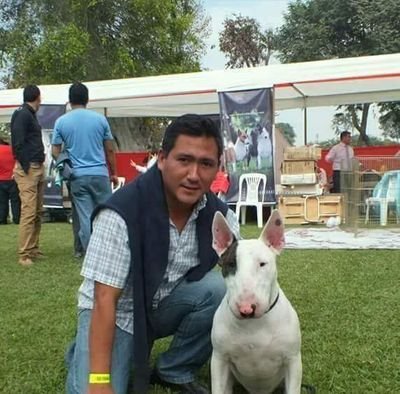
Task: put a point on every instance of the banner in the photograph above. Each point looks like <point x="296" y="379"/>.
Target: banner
<point x="54" y="194"/>
<point x="246" y="124"/>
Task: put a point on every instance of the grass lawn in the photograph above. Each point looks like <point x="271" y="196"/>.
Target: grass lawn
<point x="347" y="301"/>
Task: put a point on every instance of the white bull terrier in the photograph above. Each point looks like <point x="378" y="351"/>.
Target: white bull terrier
<point x="256" y="332"/>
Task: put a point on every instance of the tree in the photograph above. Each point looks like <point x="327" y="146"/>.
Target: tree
<point x="244" y="44"/>
<point x="390" y="119"/>
<point x="48" y="41"/>
<point x="324" y="29"/>
<point x="288" y="132"/>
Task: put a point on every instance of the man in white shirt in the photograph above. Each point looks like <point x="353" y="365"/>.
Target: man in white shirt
<point x="340" y="156"/>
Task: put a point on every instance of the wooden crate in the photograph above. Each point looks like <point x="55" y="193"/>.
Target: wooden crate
<point x="302" y="153"/>
<point x="299" y="167"/>
<point x="310" y="209"/>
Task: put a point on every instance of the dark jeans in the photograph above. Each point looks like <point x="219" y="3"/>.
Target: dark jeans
<point x="336" y="181"/>
<point x="9" y="192"/>
<point x="78" y="248"/>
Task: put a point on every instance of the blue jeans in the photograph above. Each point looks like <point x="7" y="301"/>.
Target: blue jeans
<point x="87" y="192"/>
<point x="187" y="314"/>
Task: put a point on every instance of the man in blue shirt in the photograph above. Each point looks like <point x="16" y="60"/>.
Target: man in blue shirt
<point x="86" y="137"/>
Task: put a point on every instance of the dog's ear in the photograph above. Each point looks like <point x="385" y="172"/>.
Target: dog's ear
<point x="273" y="233"/>
<point x="222" y="234"/>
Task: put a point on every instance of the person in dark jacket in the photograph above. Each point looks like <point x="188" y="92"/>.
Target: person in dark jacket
<point x="28" y="149"/>
<point x="148" y="271"/>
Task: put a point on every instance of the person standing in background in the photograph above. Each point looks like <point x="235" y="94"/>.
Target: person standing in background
<point x="86" y="137"/>
<point x="340" y="156"/>
<point x="8" y="188"/>
<point x="28" y="150"/>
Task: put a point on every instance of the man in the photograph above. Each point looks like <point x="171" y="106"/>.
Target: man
<point x="87" y="139"/>
<point x="340" y="156"/>
<point x="8" y="188"/>
<point x="28" y="149"/>
<point x="148" y="271"/>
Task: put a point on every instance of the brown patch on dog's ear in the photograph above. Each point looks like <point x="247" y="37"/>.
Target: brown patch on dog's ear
<point x="273" y="233"/>
<point x="222" y="234"/>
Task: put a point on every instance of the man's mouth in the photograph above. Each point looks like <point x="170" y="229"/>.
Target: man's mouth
<point x="191" y="187"/>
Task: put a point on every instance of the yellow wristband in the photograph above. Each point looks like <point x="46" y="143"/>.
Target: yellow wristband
<point x="99" y="378"/>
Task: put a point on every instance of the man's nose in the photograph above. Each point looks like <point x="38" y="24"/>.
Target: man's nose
<point x="193" y="172"/>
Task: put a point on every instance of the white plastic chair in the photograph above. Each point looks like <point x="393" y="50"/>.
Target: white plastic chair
<point x="121" y="182"/>
<point x="383" y="199"/>
<point x="251" y="193"/>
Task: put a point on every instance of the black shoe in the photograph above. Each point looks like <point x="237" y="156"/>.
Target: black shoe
<point x="183" y="388"/>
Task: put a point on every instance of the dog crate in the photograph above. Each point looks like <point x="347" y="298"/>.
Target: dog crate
<point x="310" y="209"/>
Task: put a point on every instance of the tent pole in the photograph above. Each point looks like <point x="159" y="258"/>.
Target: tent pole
<point x="305" y="125"/>
<point x="305" y="110"/>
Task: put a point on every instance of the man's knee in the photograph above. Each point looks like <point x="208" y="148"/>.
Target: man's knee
<point x="215" y="289"/>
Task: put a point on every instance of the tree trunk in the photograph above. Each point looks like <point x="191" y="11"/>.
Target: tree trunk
<point x="360" y="126"/>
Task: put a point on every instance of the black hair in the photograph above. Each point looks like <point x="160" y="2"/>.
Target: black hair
<point x="78" y="94"/>
<point x="31" y="93"/>
<point x="191" y="125"/>
<point x="344" y="134"/>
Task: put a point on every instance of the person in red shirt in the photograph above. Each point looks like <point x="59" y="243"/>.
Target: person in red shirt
<point x="8" y="187"/>
<point x="220" y="184"/>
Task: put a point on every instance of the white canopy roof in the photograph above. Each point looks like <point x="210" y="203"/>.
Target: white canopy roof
<point x="297" y="85"/>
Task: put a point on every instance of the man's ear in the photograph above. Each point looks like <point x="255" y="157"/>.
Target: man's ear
<point x="222" y="234"/>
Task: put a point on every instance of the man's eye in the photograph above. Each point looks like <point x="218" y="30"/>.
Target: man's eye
<point x="208" y="164"/>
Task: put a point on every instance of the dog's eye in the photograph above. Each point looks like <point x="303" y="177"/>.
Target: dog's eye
<point x="262" y="264"/>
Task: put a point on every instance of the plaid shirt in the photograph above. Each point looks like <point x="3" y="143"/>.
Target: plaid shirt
<point x="108" y="261"/>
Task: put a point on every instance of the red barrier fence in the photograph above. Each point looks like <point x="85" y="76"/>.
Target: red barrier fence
<point x="124" y="167"/>
<point x="373" y="152"/>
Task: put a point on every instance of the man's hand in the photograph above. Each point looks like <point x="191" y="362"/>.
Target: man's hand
<point x="100" y="389"/>
<point x="114" y="179"/>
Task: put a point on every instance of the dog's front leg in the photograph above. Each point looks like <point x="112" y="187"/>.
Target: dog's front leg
<point x="293" y="375"/>
<point x="221" y="376"/>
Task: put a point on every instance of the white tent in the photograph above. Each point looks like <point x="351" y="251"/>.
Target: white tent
<point x="296" y="85"/>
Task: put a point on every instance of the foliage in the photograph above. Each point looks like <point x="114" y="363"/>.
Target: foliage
<point x="288" y="132"/>
<point x="243" y="42"/>
<point x="390" y="119"/>
<point x="324" y="29"/>
<point x="373" y="141"/>
<point x="51" y="42"/>
<point x="38" y="319"/>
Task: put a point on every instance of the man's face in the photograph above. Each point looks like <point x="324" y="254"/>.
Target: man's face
<point x="38" y="102"/>
<point x="189" y="169"/>
<point x="347" y="139"/>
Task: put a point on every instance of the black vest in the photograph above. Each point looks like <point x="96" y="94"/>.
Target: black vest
<point x="143" y="206"/>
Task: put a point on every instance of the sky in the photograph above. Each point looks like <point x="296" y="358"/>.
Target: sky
<point x="269" y="13"/>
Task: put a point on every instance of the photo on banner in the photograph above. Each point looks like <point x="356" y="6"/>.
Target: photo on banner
<point x="47" y="116"/>
<point x="246" y="124"/>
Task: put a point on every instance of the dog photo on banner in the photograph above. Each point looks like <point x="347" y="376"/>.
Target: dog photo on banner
<point x="246" y="124"/>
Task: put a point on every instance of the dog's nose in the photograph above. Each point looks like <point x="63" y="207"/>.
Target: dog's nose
<point x="247" y="311"/>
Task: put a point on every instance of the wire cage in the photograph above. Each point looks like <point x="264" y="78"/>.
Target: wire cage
<point x="372" y="192"/>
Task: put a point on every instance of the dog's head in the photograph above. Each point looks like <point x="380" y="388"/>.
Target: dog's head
<point x="249" y="266"/>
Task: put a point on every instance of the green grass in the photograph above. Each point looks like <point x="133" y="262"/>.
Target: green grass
<point x="347" y="302"/>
